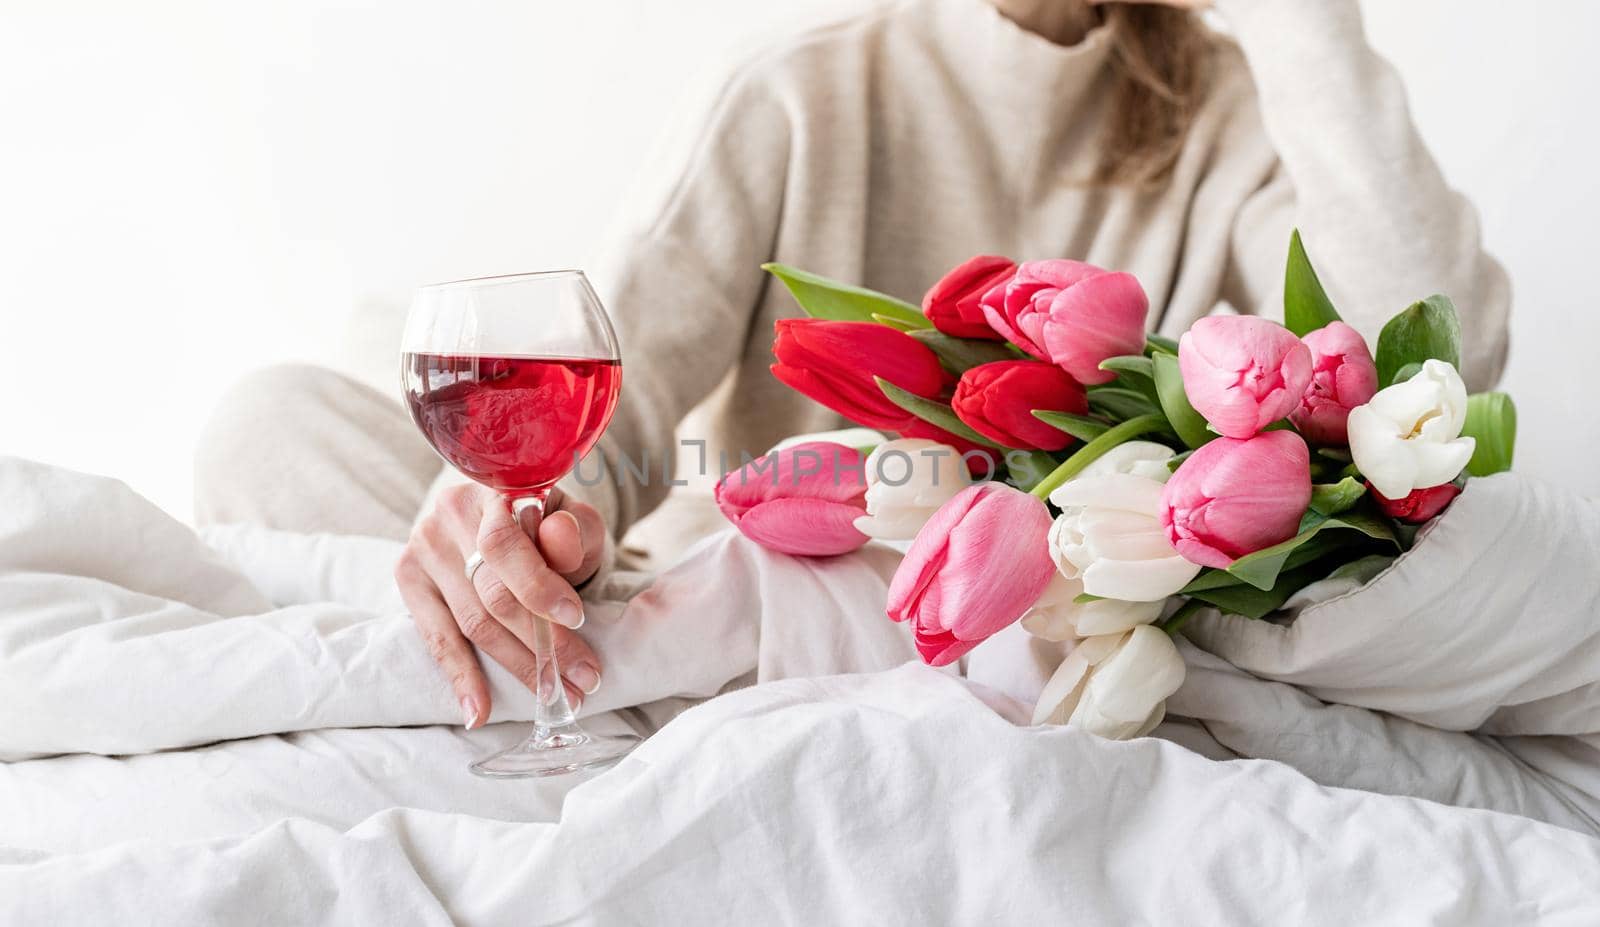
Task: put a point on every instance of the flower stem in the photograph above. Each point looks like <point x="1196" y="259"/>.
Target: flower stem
<point x="1181" y="617"/>
<point x="1089" y="453"/>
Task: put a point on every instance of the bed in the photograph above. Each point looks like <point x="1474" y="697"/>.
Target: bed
<point x="240" y="726"/>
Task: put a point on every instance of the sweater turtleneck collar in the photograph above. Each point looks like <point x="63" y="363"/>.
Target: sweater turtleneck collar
<point x="1008" y="66"/>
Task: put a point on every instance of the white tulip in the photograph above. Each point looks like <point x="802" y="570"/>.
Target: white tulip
<point x="907" y="481"/>
<point x="1109" y="532"/>
<point x="1057" y="616"/>
<point x="1114" y="685"/>
<point x="1408" y="436"/>
<point x="1135" y="458"/>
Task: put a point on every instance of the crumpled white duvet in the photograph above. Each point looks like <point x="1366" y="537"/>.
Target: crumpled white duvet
<point x="245" y="730"/>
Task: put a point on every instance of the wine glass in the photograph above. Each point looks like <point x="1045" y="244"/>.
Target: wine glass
<point x="512" y="379"/>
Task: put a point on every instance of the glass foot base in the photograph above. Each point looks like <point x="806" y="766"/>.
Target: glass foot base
<point x="556" y="752"/>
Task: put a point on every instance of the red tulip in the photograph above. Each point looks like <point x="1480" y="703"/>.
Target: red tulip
<point x="1235" y="496"/>
<point x="997" y="401"/>
<point x="975" y="567"/>
<point x="834" y="363"/>
<point x="1420" y="506"/>
<point x="953" y="304"/>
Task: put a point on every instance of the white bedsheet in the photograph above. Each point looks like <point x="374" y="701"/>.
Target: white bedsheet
<point x="337" y="792"/>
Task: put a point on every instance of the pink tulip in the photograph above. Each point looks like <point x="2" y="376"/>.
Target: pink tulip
<point x="1243" y="373"/>
<point x="975" y="567"/>
<point x="1236" y="496"/>
<point x="1343" y="376"/>
<point x="1073" y="314"/>
<point x="1420" y="506"/>
<point x="801" y="500"/>
<point x="952" y="304"/>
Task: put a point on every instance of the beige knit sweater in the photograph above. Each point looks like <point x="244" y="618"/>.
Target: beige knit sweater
<point x="887" y="149"/>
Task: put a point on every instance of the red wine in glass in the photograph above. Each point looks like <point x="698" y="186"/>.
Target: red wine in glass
<point x="514" y="424"/>
<point x="512" y="379"/>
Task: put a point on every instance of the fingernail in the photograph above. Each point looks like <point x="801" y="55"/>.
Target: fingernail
<point x="547" y="689"/>
<point x="567" y="613"/>
<point x="585" y="677"/>
<point x="469" y="711"/>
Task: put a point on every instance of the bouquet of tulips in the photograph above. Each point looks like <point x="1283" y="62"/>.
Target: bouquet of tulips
<point x="1056" y="465"/>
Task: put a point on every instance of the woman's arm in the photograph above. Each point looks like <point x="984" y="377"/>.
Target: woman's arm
<point x="1354" y="176"/>
<point x="681" y="282"/>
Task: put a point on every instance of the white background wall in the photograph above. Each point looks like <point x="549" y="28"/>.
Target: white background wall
<point x="190" y="189"/>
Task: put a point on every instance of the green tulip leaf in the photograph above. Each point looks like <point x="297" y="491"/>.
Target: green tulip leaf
<point x="933" y="412"/>
<point x="1254" y="603"/>
<point x="1363" y="568"/>
<point x="1210" y="578"/>
<point x="1028" y="468"/>
<point x="1136" y="364"/>
<point x="1251" y="602"/>
<point x="1159" y="344"/>
<point x="1492" y="422"/>
<point x="1428" y="330"/>
<point x="1189" y="424"/>
<point x="1120" y="404"/>
<point x="1173" y="624"/>
<point x="1407" y="372"/>
<point x="822" y="298"/>
<point x="899" y="324"/>
<point x="1079" y="426"/>
<point x="1306" y="306"/>
<point x="1134" y="372"/>
<point x="958" y="355"/>
<point x="1261" y="569"/>
<point x="1334" y="498"/>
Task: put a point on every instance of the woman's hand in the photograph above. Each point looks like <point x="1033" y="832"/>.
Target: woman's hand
<point x="496" y="609"/>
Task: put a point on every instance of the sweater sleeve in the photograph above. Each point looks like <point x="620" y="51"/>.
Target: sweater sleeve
<point x="1381" y="225"/>
<point x="681" y="281"/>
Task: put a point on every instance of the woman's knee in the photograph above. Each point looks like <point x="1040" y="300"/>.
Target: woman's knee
<point x="270" y="403"/>
<point x="261" y="417"/>
<point x="304" y="447"/>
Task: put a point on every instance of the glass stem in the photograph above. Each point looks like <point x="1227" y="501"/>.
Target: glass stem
<point x="553" y="717"/>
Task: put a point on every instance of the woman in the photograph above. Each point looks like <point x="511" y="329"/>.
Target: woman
<point x="885" y="150"/>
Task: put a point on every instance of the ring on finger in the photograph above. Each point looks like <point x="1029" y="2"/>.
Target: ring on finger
<point x="473" y="562"/>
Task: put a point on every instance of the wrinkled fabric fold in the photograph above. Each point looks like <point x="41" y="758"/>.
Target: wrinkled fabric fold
<point x="782" y="804"/>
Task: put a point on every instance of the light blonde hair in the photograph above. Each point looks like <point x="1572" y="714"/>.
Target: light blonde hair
<point x="1159" y="58"/>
